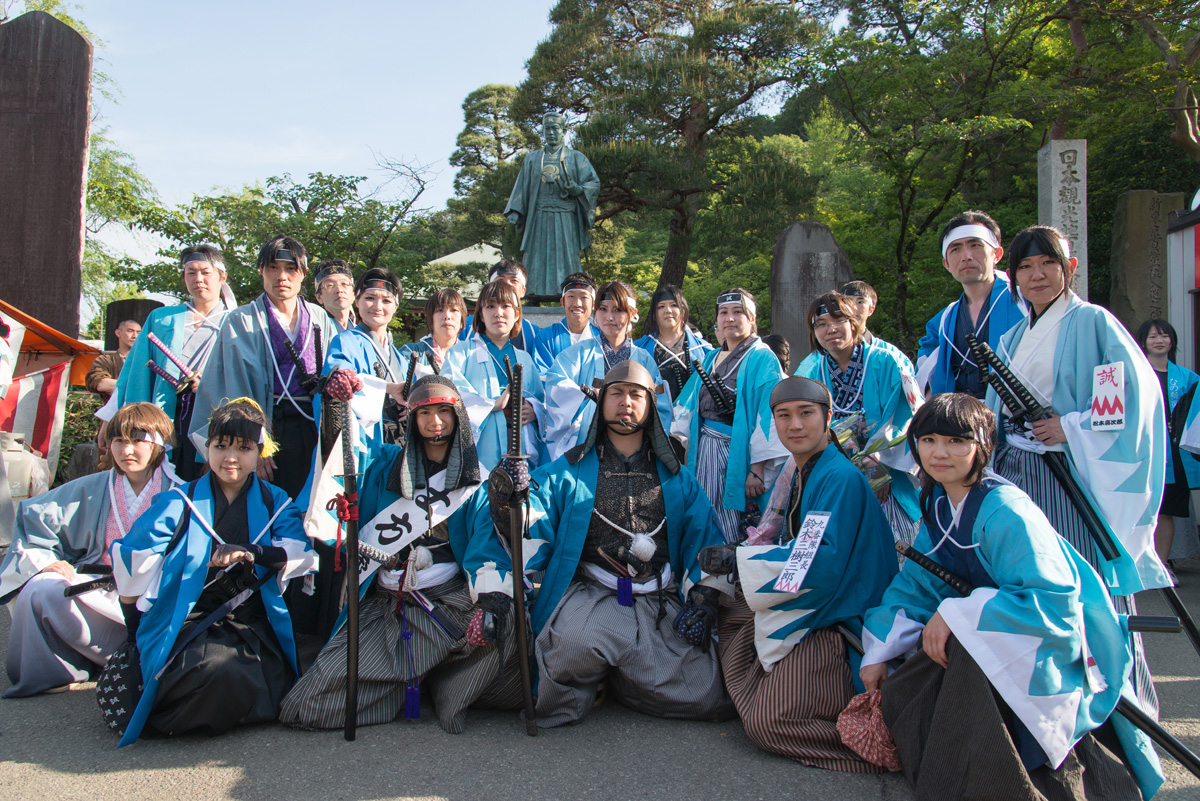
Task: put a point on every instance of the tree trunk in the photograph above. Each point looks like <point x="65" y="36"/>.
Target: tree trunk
<point x="679" y="246"/>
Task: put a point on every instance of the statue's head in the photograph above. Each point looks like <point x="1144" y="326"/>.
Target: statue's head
<point x="554" y="129"/>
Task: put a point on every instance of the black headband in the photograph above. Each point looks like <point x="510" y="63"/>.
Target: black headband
<point x="567" y="287"/>
<point x="729" y="297"/>
<point x="283" y="254"/>
<point x="799" y="388"/>
<point x="332" y="269"/>
<point x="854" y="293"/>
<point x="379" y="283"/>
<point x="934" y="424"/>
<point x="822" y="310"/>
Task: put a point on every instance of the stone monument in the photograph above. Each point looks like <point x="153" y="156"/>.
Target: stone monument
<point x="807" y="262"/>
<point x="45" y="98"/>
<point x="127" y="309"/>
<point x="553" y="206"/>
<point x="1138" y="264"/>
<point x="1062" y="198"/>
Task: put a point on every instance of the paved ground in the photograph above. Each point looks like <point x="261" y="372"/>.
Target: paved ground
<point x="55" y="746"/>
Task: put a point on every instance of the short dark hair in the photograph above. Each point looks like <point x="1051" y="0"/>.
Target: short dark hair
<point x="492" y="292"/>
<point x="839" y="307"/>
<point x="444" y="299"/>
<point x="950" y="413"/>
<point x="860" y="289"/>
<point x="240" y="418"/>
<point x="666" y="292"/>
<point x="272" y="246"/>
<point x="378" y="274"/>
<point x="972" y="217"/>
<point x="783" y="351"/>
<point x="210" y="252"/>
<point x="507" y="265"/>
<point x="1162" y="326"/>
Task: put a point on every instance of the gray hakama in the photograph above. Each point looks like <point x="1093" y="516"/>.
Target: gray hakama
<point x="1030" y="473"/>
<point x="712" y="462"/>
<point x="457" y="674"/>
<point x="56" y="640"/>
<point x="590" y="637"/>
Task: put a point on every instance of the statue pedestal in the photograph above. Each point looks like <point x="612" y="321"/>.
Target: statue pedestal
<point x="543" y="316"/>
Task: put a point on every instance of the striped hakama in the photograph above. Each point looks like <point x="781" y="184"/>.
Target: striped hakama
<point x="712" y="462"/>
<point x="590" y="637"/>
<point x="455" y="673"/>
<point x="793" y="709"/>
<point x="1031" y="473"/>
<point x="953" y="735"/>
<point x="904" y="528"/>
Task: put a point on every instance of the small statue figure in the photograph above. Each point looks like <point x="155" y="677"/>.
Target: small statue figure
<point x="553" y="205"/>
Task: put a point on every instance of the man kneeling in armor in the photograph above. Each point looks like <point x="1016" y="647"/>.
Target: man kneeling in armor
<point x="616" y="525"/>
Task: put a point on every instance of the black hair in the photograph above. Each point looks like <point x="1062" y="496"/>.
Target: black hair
<point x="972" y="217"/>
<point x="270" y="250"/>
<point x="507" y="265"/>
<point x="953" y="414"/>
<point x="445" y="299"/>
<point x="378" y="274"/>
<point x="210" y="252"/>
<point x="860" y="289"/>
<point x="239" y="419"/>
<point x="666" y="292"/>
<point x="1146" y="328"/>
<point x="783" y="351"/>
<point x="1038" y="239"/>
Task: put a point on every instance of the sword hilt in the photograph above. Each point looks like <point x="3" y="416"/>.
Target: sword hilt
<point x="408" y="379"/>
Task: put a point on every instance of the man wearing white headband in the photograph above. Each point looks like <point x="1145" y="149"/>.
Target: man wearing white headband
<point x="970" y="246"/>
<point x="732" y="447"/>
<point x="189" y="332"/>
<point x="578" y="298"/>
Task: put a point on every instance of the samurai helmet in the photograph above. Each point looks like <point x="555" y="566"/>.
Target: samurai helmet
<point x="629" y="372"/>
<point x="462" y="468"/>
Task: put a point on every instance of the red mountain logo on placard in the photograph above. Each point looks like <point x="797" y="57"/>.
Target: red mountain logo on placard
<point x="1103" y="407"/>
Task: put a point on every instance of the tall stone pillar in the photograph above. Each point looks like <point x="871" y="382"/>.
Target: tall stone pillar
<point x="45" y="100"/>
<point x="1062" y="198"/>
<point x="1138" y="265"/>
<point x="807" y="263"/>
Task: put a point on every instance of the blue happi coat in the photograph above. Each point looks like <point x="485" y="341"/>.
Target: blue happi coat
<point x="476" y="367"/>
<point x="697" y="347"/>
<point x="753" y="429"/>
<point x="1121" y="472"/>
<point x="852" y="567"/>
<point x="568" y="412"/>
<point x="560" y="512"/>
<point x="889" y="397"/>
<point x="529" y="333"/>
<point x="554" y="339"/>
<point x="137" y="383"/>
<point x="1038" y="612"/>
<point x="1179" y="381"/>
<point x="1003" y="311"/>
<point x="168" y="584"/>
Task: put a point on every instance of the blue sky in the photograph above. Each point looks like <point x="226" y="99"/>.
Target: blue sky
<point x="218" y="94"/>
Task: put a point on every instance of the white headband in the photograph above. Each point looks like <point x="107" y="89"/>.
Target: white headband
<point x="973" y="231"/>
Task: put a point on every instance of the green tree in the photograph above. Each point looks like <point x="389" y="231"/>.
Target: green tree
<point x="490" y="137"/>
<point x="659" y="84"/>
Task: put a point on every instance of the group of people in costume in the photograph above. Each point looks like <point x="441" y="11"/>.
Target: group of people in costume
<point x="706" y="537"/>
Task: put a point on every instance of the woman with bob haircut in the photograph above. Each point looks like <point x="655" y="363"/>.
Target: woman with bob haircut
<point x="476" y="366"/>
<point x="201" y="576"/>
<point x="569" y="413"/>
<point x="876" y="380"/>
<point x="56" y="640"/>
<point x="1065" y="351"/>
<point x="445" y="317"/>
<point x="668" y="338"/>
<point x="1037" y="617"/>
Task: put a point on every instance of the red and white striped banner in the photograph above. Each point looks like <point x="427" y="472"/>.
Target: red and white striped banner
<point x="35" y="406"/>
